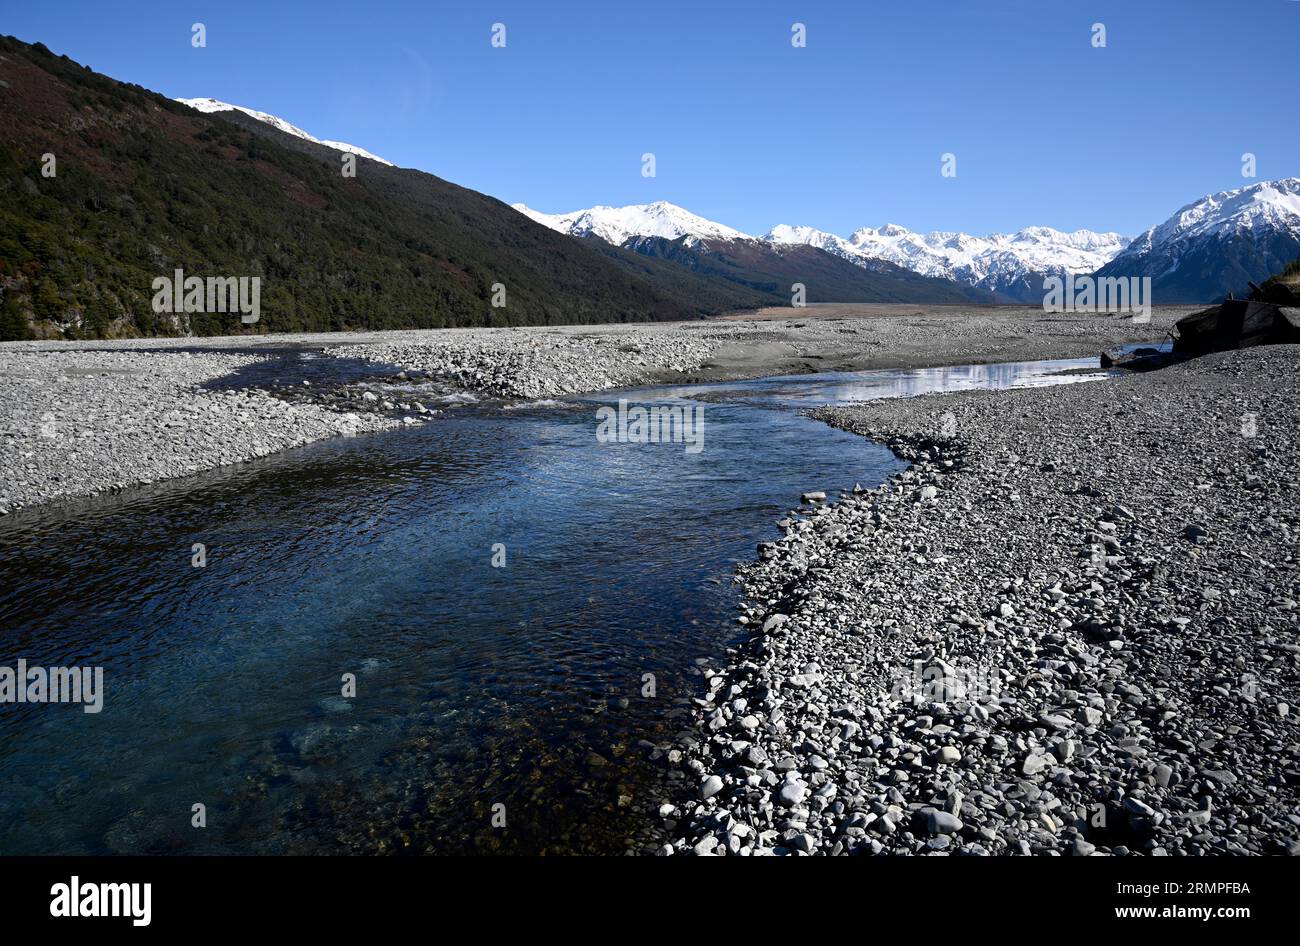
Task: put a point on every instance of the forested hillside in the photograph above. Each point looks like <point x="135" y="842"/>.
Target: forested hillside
<point x="143" y="186"/>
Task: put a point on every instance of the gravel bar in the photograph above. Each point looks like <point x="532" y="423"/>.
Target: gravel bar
<point x="1070" y="628"/>
<point x="537" y="363"/>
<point x="77" y="423"/>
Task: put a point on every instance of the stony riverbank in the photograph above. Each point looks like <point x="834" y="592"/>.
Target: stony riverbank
<point x="552" y="362"/>
<point x="77" y="423"/>
<point x="1069" y="628"/>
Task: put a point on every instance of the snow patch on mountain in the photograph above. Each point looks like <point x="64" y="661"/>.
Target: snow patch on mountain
<point x="617" y="225"/>
<point x="836" y="245"/>
<point x="215" y="105"/>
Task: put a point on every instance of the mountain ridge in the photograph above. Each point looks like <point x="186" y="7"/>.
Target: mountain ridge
<point x="143" y="185"/>
<point x="668" y="231"/>
<point x="619" y="224"/>
<point x="209" y="106"/>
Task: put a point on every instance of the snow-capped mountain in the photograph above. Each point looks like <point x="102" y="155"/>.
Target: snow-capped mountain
<point x="617" y="225"/>
<point x="214" y="105"/>
<point x="1218" y="244"/>
<point x="1264" y="206"/>
<point x="1011" y="264"/>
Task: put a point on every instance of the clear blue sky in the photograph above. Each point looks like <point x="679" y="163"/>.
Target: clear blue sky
<point x="748" y="130"/>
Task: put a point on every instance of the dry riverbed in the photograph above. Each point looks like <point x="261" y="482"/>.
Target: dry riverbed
<point x="1069" y="628"/>
<point x="550" y="362"/>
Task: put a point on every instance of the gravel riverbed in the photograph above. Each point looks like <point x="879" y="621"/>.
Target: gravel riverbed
<point x="1068" y="629"/>
<point x="76" y="423"/>
<point x="79" y="418"/>
<point x="538" y="363"/>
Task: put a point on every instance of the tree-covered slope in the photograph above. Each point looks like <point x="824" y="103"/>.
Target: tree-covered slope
<point x="143" y="186"/>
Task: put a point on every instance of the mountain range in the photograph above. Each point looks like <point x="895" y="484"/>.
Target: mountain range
<point x="1218" y="244"/>
<point x="667" y="231"/>
<point x="1010" y="267"/>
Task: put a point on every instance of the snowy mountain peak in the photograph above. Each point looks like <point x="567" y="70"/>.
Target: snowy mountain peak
<point x="866" y="234"/>
<point x="836" y="245"/>
<point x="216" y="105"/>
<point x="617" y="225"/>
<point x="1039" y="233"/>
<point x="1218" y="244"/>
<point x="1267" y="205"/>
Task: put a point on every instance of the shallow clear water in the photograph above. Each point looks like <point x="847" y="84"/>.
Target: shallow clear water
<point x="477" y="685"/>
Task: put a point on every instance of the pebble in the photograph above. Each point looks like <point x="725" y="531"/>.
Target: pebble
<point x="791" y="794"/>
<point x="710" y="786"/>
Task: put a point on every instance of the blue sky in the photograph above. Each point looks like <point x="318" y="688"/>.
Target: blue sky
<point x="747" y="129"/>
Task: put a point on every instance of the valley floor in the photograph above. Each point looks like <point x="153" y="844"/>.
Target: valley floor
<point x="1069" y="628"/>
